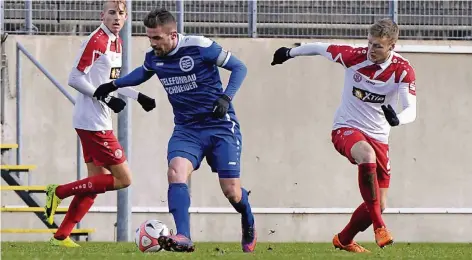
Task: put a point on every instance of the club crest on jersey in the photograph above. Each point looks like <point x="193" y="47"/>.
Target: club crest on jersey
<point x="186" y="63"/>
<point x="357" y="77"/>
<point x="366" y="96"/>
<point x="115" y="72"/>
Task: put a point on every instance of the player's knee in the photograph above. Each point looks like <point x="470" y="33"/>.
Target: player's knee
<point x="121" y="174"/>
<point x="232" y="194"/>
<point x="231" y="188"/>
<point x="178" y="171"/>
<point x="362" y="152"/>
<point x="123" y="181"/>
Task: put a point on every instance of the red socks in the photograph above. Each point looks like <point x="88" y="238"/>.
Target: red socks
<point x="79" y="206"/>
<point x="91" y="185"/>
<point x="360" y="221"/>
<point x="370" y="192"/>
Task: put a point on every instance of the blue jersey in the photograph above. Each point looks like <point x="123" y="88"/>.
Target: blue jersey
<point x="190" y="76"/>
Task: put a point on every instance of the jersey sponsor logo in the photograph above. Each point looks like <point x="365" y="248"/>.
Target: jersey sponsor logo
<point x="186" y="63"/>
<point x="366" y="96"/>
<point x="115" y="72"/>
<point x="179" y="84"/>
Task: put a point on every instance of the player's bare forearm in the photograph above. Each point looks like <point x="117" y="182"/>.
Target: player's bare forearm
<point x="135" y="78"/>
<point x="283" y="54"/>
<point x="78" y="80"/>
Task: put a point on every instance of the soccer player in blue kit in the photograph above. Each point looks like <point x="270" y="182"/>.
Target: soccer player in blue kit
<point x="205" y="120"/>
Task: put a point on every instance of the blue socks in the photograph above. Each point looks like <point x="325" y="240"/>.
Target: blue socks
<point x="243" y="207"/>
<point x="179" y="203"/>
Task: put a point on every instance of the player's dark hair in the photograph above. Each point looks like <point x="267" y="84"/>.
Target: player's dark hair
<point x="158" y="17"/>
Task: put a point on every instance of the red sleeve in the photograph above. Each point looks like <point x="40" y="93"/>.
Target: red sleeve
<point x="347" y="55"/>
<point x="91" y="52"/>
<point x="410" y="78"/>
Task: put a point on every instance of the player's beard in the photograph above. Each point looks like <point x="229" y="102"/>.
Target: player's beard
<point x="160" y="52"/>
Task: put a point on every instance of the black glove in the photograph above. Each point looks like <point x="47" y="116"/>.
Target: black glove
<point x="116" y="104"/>
<point x="103" y="90"/>
<point x="221" y="106"/>
<point x="390" y="115"/>
<point x="146" y="102"/>
<point x="281" y="55"/>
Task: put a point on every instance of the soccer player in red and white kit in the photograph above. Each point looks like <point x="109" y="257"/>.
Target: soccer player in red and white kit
<point x="98" y="62"/>
<point x="376" y="77"/>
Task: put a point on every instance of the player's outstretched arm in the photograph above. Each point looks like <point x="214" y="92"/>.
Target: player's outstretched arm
<point x="123" y="85"/>
<point x="78" y="80"/>
<point x="283" y="54"/>
<point x="137" y="77"/>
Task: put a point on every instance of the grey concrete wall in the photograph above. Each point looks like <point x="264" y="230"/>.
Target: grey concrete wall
<point x="288" y="160"/>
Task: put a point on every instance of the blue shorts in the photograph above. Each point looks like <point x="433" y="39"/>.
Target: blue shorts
<point x="220" y="144"/>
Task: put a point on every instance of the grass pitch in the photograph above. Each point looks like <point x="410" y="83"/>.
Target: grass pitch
<point x="276" y="251"/>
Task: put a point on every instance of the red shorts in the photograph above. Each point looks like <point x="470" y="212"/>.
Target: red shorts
<point x="343" y="140"/>
<point x="101" y="147"/>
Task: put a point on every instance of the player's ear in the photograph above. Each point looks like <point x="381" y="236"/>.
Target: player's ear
<point x="392" y="46"/>
<point x="101" y="15"/>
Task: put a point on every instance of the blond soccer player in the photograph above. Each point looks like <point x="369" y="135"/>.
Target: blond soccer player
<point x="376" y="77"/>
<point x="98" y="62"/>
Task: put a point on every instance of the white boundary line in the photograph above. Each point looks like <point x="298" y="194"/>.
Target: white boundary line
<point x="214" y="210"/>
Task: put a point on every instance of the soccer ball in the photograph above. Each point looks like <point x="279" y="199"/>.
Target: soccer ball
<point x="147" y="234"/>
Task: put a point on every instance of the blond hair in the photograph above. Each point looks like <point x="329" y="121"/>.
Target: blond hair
<point x="118" y="4"/>
<point x="385" y="28"/>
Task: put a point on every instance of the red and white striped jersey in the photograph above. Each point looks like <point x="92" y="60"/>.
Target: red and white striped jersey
<point x="100" y="58"/>
<point x="368" y="86"/>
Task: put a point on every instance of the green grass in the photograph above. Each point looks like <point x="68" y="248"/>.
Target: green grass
<point x="292" y="251"/>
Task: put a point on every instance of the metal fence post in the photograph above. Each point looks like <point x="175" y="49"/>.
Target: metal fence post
<point x="393" y="10"/>
<point x="18" y="107"/>
<point x="29" y="16"/>
<point x="3" y="65"/>
<point x="124" y="134"/>
<point x="252" y="18"/>
<point x="180" y="15"/>
<point x="79" y="167"/>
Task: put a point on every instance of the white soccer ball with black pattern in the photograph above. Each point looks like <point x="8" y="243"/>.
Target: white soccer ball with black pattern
<point x="147" y="234"/>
